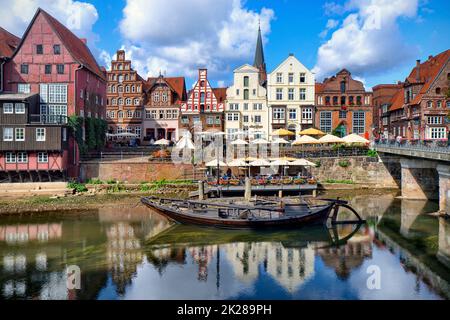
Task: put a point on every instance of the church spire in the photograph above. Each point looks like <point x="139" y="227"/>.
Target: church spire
<point x="260" y="62"/>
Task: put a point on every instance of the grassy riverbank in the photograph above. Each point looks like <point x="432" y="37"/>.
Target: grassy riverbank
<point x="29" y="205"/>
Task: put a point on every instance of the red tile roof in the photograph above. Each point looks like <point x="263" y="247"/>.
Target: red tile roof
<point x="397" y="101"/>
<point x="221" y="94"/>
<point x="8" y="43"/>
<point x="177" y="84"/>
<point x="428" y="71"/>
<point x="78" y="49"/>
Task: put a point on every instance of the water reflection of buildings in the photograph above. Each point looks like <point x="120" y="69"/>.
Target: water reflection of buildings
<point x="444" y="242"/>
<point x="345" y="258"/>
<point x="202" y="256"/>
<point x="126" y="230"/>
<point x="290" y="267"/>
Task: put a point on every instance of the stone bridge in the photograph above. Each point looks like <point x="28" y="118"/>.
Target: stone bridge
<point x="425" y="171"/>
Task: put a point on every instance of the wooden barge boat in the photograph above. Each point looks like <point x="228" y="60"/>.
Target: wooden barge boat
<point x="262" y="214"/>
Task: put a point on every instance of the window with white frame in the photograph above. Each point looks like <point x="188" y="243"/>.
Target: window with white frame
<point x="436" y="133"/>
<point x="156" y="97"/>
<point x="325" y="121"/>
<point x="434" y="120"/>
<point x="10" y="157"/>
<point x="136" y="102"/>
<point x="307" y="113"/>
<point x="229" y="117"/>
<point x="279" y="114"/>
<point x="128" y="102"/>
<point x="120" y="114"/>
<point x="23" y="88"/>
<point x="184" y="120"/>
<point x="175" y="113"/>
<point x="40" y="134"/>
<point x="234" y="106"/>
<point x="19" y="134"/>
<point x="164" y="97"/>
<point x="210" y="120"/>
<point x="291" y="78"/>
<point x="258" y="119"/>
<point x="291" y="94"/>
<point x="257" y="106"/>
<point x="279" y="77"/>
<point x="279" y="94"/>
<point x="8" y="134"/>
<point x="246" y="119"/>
<point x="169" y="114"/>
<point x="53" y="93"/>
<point x="302" y="77"/>
<point x="342" y="114"/>
<point x="42" y="157"/>
<point x="359" y="122"/>
<point x="235" y="116"/>
<point x="8" y="108"/>
<point x="137" y="114"/>
<point x="22" y="157"/>
<point x="138" y="131"/>
<point x="154" y="114"/>
<point x="302" y="94"/>
<point x="20" y="108"/>
<point x="148" y="114"/>
<point x="129" y="114"/>
<point x="292" y="114"/>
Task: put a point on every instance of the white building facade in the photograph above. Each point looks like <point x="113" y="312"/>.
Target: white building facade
<point x="246" y="112"/>
<point x="291" y="96"/>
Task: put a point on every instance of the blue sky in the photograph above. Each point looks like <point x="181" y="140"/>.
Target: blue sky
<point x="178" y="36"/>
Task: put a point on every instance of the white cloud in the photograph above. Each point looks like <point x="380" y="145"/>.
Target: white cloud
<point x="369" y="39"/>
<point x="331" y="24"/>
<point x="78" y="16"/>
<point x="218" y="34"/>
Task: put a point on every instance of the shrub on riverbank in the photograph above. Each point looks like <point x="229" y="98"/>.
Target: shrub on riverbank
<point x="344" y="163"/>
<point x="78" y="187"/>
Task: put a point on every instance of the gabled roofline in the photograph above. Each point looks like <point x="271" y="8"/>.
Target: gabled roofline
<point x="27" y="31"/>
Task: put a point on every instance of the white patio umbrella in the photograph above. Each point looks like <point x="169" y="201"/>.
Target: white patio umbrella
<point x="280" y="162"/>
<point x="260" y="163"/>
<point x="330" y="139"/>
<point x="302" y="163"/>
<point x="185" y="143"/>
<point x="260" y="141"/>
<point x="354" y="138"/>
<point x="280" y="141"/>
<point x="213" y="164"/>
<point x="305" y="140"/>
<point x="237" y="163"/>
<point x="239" y="142"/>
<point x="162" y="142"/>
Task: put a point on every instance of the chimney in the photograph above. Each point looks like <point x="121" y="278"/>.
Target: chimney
<point x="430" y="57"/>
<point x="84" y="40"/>
<point x="418" y="70"/>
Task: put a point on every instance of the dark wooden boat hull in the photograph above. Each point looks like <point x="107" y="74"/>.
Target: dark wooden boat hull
<point x="319" y="216"/>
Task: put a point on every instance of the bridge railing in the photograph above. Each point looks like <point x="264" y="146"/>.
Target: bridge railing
<point x="440" y="146"/>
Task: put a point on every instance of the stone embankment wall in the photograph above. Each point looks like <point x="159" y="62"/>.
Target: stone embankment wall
<point x="366" y="172"/>
<point x="133" y="172"/>
<point x="34" y="189"/>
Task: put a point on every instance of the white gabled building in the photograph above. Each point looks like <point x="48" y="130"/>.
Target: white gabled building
<point x="291" y="91"/>
<point x="246" y="112"/>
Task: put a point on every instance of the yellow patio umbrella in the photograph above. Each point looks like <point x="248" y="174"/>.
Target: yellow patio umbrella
<point x="305" y="140"/>
<point x="331" y="139"/>
<point x="282" y="133"/>
<point x="354" y="138"/>
<point x="312" y="132"/>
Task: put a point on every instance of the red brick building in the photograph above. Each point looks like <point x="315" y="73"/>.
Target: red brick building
<point x="382" y="101"/>
<point x="164" y="97"/>
<point x="54" y="63"/>
<point x="125" y="97"/>
<point x="204" y="105"/>
<point x="419" y="111"/>
<point x="343" y="106"/>
<point x="8" y="44"/>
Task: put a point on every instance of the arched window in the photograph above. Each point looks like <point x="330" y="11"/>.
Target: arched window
<point x="246" y="81"/>
<point x="335" y="100"/>
<point x="327" y="100"/>
<point x="128" y="102"/>
<point x="351" y="100"/>
<point x="120" y="67"/>
<point x="120" y="114"/>
<point x="156" y="97"/>
<point x="120" y="89"/>
<point x="114" y="89"/>
<point x="109" y="89"/>
<point x="126" y="77"/>
<point x="129" y="114"/>
<point x="138" y="88"/>
<point x="439" y="104"/>
<point x="202" y="97"/>
<point x="358" y="100"/>
<point x="343" y="100"/>
<point x="114" y="102"/>
<point x="430" y="104"/>
<point x="127" y="89"/>
<point x="136" y="102"/>
<point x="202" y="83"/>
<point x="164" y="97"/>
<point x="120" y="102"/>
<point x="133" y="89"/>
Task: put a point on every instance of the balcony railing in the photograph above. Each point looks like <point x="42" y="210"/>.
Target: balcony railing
<point x="48" y="119"/>
<point x="435" y="146"/>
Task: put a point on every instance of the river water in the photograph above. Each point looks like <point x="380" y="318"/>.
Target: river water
<point x="134" y="253"/>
